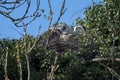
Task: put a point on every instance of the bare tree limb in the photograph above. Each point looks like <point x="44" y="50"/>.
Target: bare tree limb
<point x="31" y="48"/>
<point x="5" y="67"/>
<point x="62" y="11"/>
<point x="18" y="61"/>
<point x="50" y="14"/>
<point x="7" y="11"/>
<point x="104" y="59"/>
<point x="113" y="72"/>
<point x="25" y="51"/>
<point x="28" y="49"/>
<point x="54" y="67"/>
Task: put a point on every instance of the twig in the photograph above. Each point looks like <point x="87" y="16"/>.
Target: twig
<point x="8" y="10"/>
<point x="62" y="11"/>
<point x="31" y="48"/>
<point x="51" y="14"/>
<point x="17" y="31"/>
<point x="50" y="21"/>
<point x="28" y="49"/>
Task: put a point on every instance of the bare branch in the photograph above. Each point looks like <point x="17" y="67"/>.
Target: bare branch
<point x="54" y="67"/>
<point x="31" y="48"/>
<point x="113" y="72"/>
<point x="7" y="11"/>
<point x="50" y="14"/>
<point x="104" y="59"/>
<point x="62" y="11"/>
<point x="16" y="31"/>
<point x="22" y="18"/>
<point x="25" y="51"/>
<point x="5" y="67"/>
<point x="28" y="49"/>
<point x="18" y="61"/>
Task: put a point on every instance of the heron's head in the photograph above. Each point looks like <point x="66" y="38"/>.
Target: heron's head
<point x="79" y="29"/>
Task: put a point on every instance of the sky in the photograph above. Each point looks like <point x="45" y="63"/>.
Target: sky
<point x="75" y="9"/>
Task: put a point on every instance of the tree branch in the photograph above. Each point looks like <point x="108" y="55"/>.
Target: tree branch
<point x="104" y="59"/>
<point x="113" y="72"/>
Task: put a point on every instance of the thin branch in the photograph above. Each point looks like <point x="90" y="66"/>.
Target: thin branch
<point x="30" y="49"/>
<point x="113" y="72"/>
<point x="27" y="9"/>
<point x="18" y="61"/>
<point x="17" y="31"/>
<point x="54" y="67"/>
<point x="6" y="2"/>
<point x="62" y="11"/>
<point x="50" y="14"/>
<point x="14" y="5"/>
<point x="104" y="59"/>
<point x="28" y="66"/>
<point x="50" y="21"/>
<point x="38" y="6"/>
<point x="25" y="50"/>
<point x="6" y="15"/>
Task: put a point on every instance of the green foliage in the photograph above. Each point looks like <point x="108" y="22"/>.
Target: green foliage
<point x="103" y="29"/>
<point x="102" y="21"/>
<point x="73" y="65"/>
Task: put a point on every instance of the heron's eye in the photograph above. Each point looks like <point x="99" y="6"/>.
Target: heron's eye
<point x="84" y="27"/>
<point x="63" y="28"/>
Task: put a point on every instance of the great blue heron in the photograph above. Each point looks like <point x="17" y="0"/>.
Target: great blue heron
<point x="66" y="32"/>
<point x="75" y="30"/>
